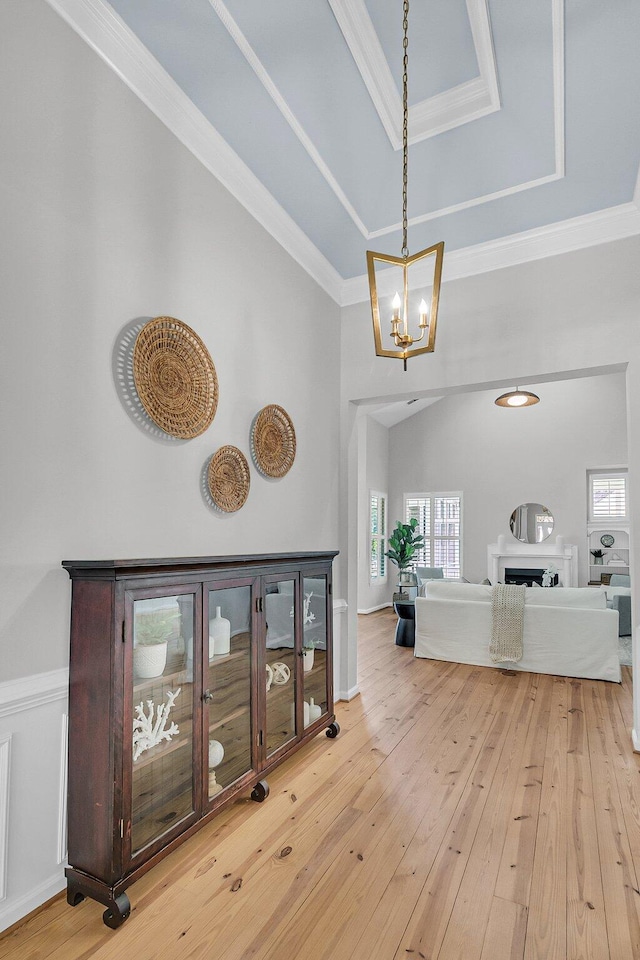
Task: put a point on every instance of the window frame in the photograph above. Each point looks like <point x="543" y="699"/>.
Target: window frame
<point x="433" y="496"/>
<point x="619" y="473"/>
<point x="380" y="537"/>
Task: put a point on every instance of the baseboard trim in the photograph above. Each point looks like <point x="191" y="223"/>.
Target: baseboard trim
<point x="21" y="910"/>
<point x="349" y="695"/>
<point x="381" y="606"/>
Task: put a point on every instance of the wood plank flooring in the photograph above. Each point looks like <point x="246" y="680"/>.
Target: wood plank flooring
<point x="460" y="815"/>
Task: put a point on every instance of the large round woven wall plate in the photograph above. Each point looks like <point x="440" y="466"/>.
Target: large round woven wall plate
<point x="273" y="441"/>
<point x="228" y="479"/>
<point x="175" y="377"/>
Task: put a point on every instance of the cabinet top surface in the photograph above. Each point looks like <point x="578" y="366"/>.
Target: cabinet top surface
<point x="128" y="567"/>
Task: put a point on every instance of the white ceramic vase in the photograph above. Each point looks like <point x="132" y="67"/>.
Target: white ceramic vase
<point x="219" y="635"/>
<point x="305" y="714"/>
<point x="149" y="660"/>
<point x="315" y="710"/>
<point x="307" y="659"/>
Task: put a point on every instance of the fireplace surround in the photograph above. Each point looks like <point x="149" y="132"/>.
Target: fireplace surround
<point x="533" y="556"/>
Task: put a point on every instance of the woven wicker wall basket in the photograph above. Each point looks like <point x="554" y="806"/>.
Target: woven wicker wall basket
<point x="228" y="479"/>
<point x="175" y="377"/>
<point x="273" y="441"/>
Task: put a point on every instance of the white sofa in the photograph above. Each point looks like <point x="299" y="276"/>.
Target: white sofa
<point x="568" y="631"/>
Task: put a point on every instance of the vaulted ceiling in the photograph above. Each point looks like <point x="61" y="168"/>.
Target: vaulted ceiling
<point x="523" y="117"/>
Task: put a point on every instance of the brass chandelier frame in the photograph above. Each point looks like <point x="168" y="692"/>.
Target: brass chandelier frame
<point x="403" y="340"/>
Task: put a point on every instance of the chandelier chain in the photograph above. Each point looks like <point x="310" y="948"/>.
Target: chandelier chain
<point x="405" y="125"/>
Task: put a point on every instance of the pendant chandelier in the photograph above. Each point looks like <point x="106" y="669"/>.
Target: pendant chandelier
<point x="517" y="398"/>
<point x="402" y="311"/>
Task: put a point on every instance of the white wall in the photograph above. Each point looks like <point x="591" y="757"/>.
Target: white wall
<point x="500" y="458"/>
<point x="108" y="220"/>
<point x="373" y="477"/>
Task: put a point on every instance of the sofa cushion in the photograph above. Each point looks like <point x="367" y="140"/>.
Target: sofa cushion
<point x="583" y="597"/>
<point x="620" y="580"/>
<point x="448" y="590"/>
<point x="610" y="592"/>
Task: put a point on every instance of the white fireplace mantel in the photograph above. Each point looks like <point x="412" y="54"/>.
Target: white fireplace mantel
<point x="513" y="553"/>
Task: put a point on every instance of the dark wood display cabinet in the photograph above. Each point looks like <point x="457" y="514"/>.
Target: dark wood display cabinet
<point x="190" y="679"/>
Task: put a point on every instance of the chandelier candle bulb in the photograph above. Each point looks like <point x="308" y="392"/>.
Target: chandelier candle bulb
<point x="423" y="314"/>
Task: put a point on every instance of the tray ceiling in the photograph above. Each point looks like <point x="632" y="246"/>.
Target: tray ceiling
<point x="520" y="114"/>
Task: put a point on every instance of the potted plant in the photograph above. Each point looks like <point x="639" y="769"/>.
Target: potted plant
<point x="598" y="556"/>
<point x="308" y="646"/>
<point x="403" y="543"/>
<point x="151" y="634"/>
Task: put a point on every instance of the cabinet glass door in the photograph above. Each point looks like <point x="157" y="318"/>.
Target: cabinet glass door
<point x="162" y="746"/>
<point x="314" y="648"/>
<point x="279" y="658"/>
<point x="227" y="683"/>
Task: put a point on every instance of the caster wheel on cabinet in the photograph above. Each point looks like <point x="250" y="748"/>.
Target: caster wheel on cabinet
<point x="333" y="730"/>
<point x="260" y="792"/>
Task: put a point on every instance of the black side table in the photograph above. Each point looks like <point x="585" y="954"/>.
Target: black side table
<point x="406" y="625"/>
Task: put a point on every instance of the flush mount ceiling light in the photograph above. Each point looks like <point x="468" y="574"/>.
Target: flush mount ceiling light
<point x="517" y="398"/>
<point x="399" y="308"/>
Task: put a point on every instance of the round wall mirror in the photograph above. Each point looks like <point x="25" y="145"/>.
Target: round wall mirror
<point x="531" y="523"/>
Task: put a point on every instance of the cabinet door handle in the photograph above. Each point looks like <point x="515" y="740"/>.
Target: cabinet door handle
<point x="207" y="696"/>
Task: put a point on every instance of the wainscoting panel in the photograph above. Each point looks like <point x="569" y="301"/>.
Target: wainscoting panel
<point x="62" y="801"/>
<point x="5" y="754"/>
<point x="33" y="774"/>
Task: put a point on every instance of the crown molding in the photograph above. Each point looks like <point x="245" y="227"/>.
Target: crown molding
<point x="355" y="23"/>
<point x="103" y="30"/>
<point x="557" y="13"/>
<point x="466" y="204"/>
<point x="554" y="239"/>
<point x="463" y="103"/>
<point x="263" y="76"/>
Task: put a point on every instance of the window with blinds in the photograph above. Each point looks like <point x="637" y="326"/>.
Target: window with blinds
<point x="608" y="496"/>
<point x="439" y="517"/>
<point x="377" y="537"/>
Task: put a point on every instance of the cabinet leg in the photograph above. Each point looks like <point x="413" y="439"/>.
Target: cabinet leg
<point x="117" y="911"/>
<point x="74" y="895"/>
<point x="333" y="730"/>
<point x="260" y="792"/>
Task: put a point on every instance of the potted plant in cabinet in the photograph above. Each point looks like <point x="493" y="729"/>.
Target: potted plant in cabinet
<point x="151" y="634"/>
<point x="308" y="648"/>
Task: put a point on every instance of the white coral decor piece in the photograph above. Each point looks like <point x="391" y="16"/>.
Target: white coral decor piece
<point x="147" y="731"/>
<point x="308" y="616"/>
<point x="548" y="575"/>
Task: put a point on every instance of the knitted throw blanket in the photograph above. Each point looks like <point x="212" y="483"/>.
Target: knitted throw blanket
<point x="507" y="602"/>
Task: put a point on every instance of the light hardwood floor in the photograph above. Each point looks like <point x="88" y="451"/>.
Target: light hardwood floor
<point x="461" y="813"/>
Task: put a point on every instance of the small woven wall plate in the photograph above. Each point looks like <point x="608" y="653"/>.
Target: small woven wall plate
<point x="228" y="479"/>
<point x="273" y="441"/>
<point x="175" y="377"/>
